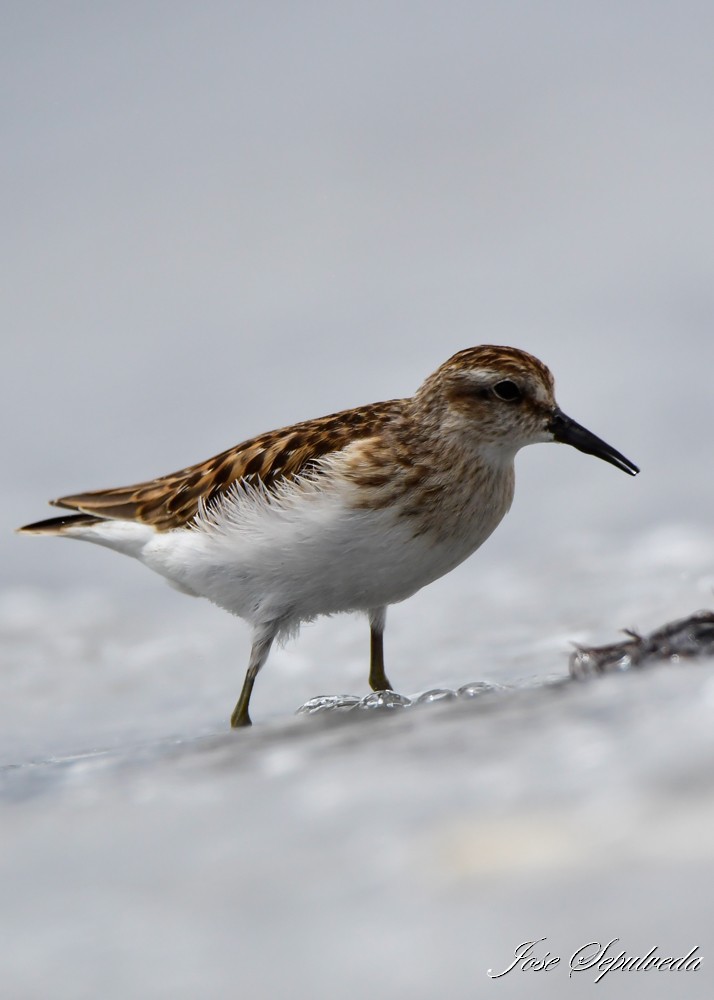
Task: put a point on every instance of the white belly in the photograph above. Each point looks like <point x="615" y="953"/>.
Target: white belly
<point x="306" y="553"/>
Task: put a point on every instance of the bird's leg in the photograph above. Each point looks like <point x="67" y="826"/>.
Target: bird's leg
<point x="377" y="678"/>
<point x="258" y="656"/>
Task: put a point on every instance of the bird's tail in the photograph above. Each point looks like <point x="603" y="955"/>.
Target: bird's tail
<point x="128" y="537"/>
<point x="59" y="525"/>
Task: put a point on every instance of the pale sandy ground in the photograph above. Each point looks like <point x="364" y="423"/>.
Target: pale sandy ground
<point x="150" y="852"/>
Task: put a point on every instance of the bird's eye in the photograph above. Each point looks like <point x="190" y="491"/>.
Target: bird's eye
<point x="507" y="390"/>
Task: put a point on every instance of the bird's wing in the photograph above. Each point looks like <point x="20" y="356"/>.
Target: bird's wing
<point x="172" y="501"/>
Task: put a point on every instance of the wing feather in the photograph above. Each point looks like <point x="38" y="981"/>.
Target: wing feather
<point x="172" y="501"/>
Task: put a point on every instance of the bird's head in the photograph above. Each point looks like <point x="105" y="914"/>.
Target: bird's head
<point x="501" y="399"/>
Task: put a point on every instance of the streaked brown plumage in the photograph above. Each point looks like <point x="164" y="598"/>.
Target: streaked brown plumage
<point x="172" y="501"/>
<point x="353" y="511"/>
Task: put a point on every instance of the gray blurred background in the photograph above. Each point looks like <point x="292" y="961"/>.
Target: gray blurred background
<point x="220" y="218"/>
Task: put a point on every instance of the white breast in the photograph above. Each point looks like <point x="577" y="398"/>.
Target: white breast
<point x="309" y="550"/>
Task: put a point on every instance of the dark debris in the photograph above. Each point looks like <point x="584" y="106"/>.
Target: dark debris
<point x="683" y="639"/>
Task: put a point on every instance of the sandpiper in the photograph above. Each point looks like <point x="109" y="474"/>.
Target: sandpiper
<point x="350" y="512"/>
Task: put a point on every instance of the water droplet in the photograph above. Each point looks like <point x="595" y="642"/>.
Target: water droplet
<point x="329" y="703"/>
<point x="477" y="688"/>
<point x="436" y="694"/>
<point x="582" y="662"/>
<point x="385" y="699"/>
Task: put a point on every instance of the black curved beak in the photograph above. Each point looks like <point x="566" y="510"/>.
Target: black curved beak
<point x="566" y="430"/>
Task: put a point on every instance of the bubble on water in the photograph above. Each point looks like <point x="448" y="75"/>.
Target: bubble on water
<point x="477" y="688"/>
<point x="384" y="700"/>
<point x="581" y="662"/>
<point x="436" y="694"/>
<point x="329" y="703"/>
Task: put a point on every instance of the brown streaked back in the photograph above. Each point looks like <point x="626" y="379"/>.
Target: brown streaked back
<point x="171" y="501"/>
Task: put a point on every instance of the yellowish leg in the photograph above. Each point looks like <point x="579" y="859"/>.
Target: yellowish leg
<point x="258" y="656"/>
<point x="378" y="680"/>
